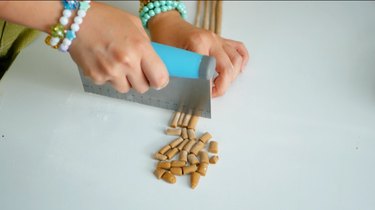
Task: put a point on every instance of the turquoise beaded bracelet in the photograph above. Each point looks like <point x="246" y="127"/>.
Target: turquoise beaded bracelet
<point x="157" y="7"/>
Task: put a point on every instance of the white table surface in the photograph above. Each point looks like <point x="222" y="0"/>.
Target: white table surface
<point x="296" y="130"/>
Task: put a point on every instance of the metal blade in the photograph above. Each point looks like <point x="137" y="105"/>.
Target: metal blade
<point x="181" y="94"/>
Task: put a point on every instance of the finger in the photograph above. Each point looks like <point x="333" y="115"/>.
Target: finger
<point x="93" y="69"/>
<point x="96" y="75"/>
<point x="242" y="50"/>
<point x="138" y="81"/>
<point x="225" y="72"/>
<point x="121" y="84"/>
<point x="154" y="69"/>
<point x="201" y="48"/>
<point x="130" y="67"/>
<point x="96" y="78"/>
<point x="127" y="71"/>
<point x="99" y="67"/>
<point x="218" y="88"/>
<point x="235" y="58"/>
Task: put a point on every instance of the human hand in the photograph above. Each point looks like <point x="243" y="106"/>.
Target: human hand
<point x="113" y="47"/>
<point x="231" y="56"/>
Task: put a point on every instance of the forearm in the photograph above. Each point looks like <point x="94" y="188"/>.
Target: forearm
<point x="40" y="15"/>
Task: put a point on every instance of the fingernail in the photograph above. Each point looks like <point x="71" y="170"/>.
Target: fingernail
<point x="163" y="86"/>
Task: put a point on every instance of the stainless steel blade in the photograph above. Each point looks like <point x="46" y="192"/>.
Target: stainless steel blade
<point x="180" y="94"/>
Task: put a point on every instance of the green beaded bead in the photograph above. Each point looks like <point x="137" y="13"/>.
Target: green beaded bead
<point x="145" y="9"/>
<point x="57" y="30"/>
<point x="156" y="4"/>
<point x="157" y="10"/>
<point x="144" y="21"/>
<point x="164" y="8"/>
<point x="146" y="16"/>
<point x="150" y="5"/>
<point x="151" y="13"/>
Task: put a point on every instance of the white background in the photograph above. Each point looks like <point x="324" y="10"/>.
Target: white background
<point x="296" y="130"/>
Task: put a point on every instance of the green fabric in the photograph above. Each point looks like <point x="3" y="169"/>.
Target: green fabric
<point x="13" y="38"/>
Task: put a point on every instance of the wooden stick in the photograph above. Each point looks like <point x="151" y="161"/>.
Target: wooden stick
<point x="213" y="16"/>
<point x="219" y="13"/>
<point x="206" y="22"/>
<point x="198" y="21"/>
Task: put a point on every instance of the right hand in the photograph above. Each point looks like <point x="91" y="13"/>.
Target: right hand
<point x="113" y="47"/>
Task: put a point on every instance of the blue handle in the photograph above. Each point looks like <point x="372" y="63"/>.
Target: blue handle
<point x="185" y="64"/>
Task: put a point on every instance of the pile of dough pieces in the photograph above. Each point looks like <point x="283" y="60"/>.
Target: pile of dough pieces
<point x="187" y="154"/>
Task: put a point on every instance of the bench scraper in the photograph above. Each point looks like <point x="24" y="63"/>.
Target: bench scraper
<point x="189" y="87"/>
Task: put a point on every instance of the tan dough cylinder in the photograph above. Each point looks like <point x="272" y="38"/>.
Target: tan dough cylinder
<point x="202" y="169"/>
<point x="193" y="122"/>
<point x="205" y="137"/>
<point x="182" y="145"/>
<point x="189" y="169"/>
<point x="213" y="147"/>
<point x="203" y="155"/>
<point x="174" y="120"/>
<point x="176" y="171"/>
<point x="159" y="172"/>
<point x="169" y="177"/>
<point x="184" y="133"/>
<point x="177" y="163"/>
<point x="158" y="156"/>
<point x="164" y="149"/>
<point x="186" y="120"/>
<point x="214" y="159"/>
<point x="189" y="145"/>
<point x="173" y="131"/>
<point x="191" y="134"/>
<point x="197" y="147"/>
<point x="183" y="156"/>
<point x="182" y="116"/>
<point x="176" y="142"/>
<point x="194" y="179"/>
<point x="171" y="153"/>
<point x="164" y="165"/>
<point x="193" y="160"/>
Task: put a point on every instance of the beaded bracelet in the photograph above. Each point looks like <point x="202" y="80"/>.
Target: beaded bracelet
<point x="57" y="31"/>
<point x="70" y="35"/>
<point x="156" y="7"/>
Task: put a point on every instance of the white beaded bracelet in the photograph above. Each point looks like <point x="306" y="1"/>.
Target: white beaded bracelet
<point x="70" y="35"/>
<point x="64" y="20"/>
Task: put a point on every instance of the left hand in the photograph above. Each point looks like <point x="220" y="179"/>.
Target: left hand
<point x="231" y="56"/>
